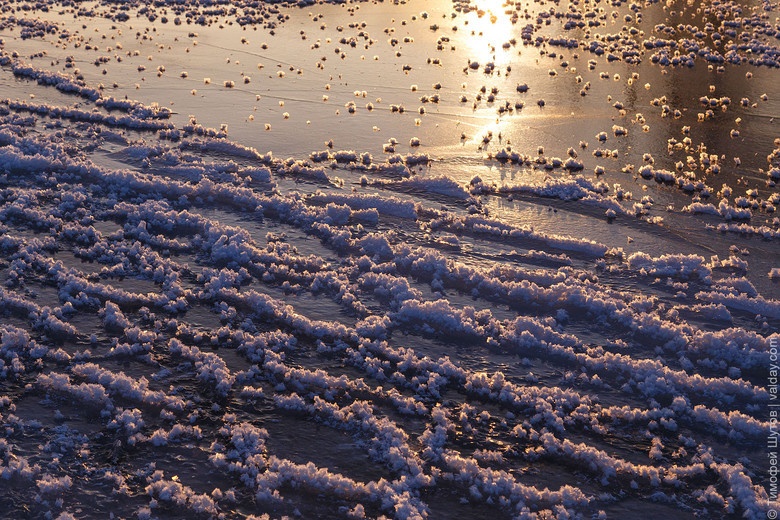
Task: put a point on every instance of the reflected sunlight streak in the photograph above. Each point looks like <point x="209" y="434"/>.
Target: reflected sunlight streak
<point x="489" y="28"/>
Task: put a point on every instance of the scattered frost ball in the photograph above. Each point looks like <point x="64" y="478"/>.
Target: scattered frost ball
<point x="414" y="141"/>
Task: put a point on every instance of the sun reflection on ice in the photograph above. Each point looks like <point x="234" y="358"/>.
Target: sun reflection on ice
<point x="490" y="29"/>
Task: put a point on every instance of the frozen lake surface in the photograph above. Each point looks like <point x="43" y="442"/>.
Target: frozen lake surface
<point x="399" y="259"/>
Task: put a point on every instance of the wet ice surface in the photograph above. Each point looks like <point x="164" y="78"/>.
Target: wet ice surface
<point x="430" y="259"/>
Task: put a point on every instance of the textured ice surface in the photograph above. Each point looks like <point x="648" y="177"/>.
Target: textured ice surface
<point x="421" y="260"/>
